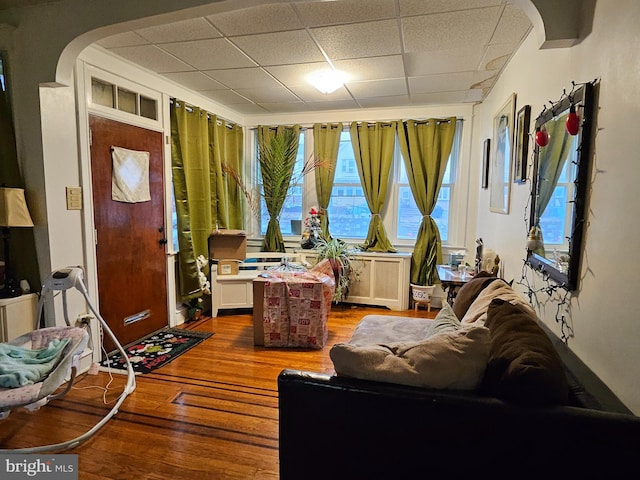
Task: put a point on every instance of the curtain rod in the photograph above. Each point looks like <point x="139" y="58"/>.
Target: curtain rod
<point x="189" y="108"/>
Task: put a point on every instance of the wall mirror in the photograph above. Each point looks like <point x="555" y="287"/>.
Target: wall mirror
<point x="559" y="186"/>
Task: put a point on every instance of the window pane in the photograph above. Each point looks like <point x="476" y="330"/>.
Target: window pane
<point x="348" y="211"/>
<point x="553" y="219"/>
<point x="102" y="93"/>
<point x="409" y="217"/>
<point x="127" y="101"/>
<point x="148" y="108"/>
<point x="292" y="207"/>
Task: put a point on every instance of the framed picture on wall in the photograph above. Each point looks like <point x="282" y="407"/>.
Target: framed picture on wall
<point x="486" y="155"/>
<point x="521" y="145"/>
<point x="503" y="134"/>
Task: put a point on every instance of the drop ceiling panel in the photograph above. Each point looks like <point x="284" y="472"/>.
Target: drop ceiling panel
<point x="227" y="97"/>
<point x="192" y="29"/>
<point x="316" y="14"/>
<point x="195" y="81"/>
<point x="512" y="27"/>
<point x="281" y="48"/>
<point x="378" y="88"/>
<point x="369" y="39"/>
<point x="309" y="93"/>
<point x="444" y="61"/>
<point x="422" y="7"/>
<point x="209" y="54"/>
<point x="445" y="83"/>
<point x="126" y="39"/>
<point x="296" y="74"/>
<point x="331" y="105"/>
<point x="280" y="107"/>
<point x="244" y="78"/>
<point x="260" y="19"/>
<point x="444" y="31"/>
<point x="383" y="102"/>
<point x="372" y="68"/>
<point x="268" y="95"/>
<point x="153" y="58"/>
<point x="440" y="98"/>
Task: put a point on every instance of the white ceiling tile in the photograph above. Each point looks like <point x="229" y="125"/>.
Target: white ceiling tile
<point x="330" y="105"/>
<point x="442" y="83"/>
<point x="195" y="81"/>
<point x="496" y="56"/>
<point x="259" y="19"/>
<point x="316" y="14"/>
<point x="309" y="93"/>
<point x="281" y="48"/>
<point x="369" y="39"/>
<point x="381" y="102"/>
<point x="420" y="7"/>
<point x="153" y="58"/>
<point x="192" y="29"/>
<point x="473" y="96"/>
<point x="512" y="27"/>
<point x="443" y="31"/>
<point x="268" y="95"/>
<point x="209" y="54"/>
<point x="226" y="97"/>
<point x="443" y="61"/>
<point x="286" y="107"/>
<point x="296" y="74"/>
<point x="440" y="98"/>
<point x="126" y="39"/>
<point x="237" y="78"/>
<point x="378" y="88"/>
<point x="372" y="68"/>
<point x="249" y="109"/>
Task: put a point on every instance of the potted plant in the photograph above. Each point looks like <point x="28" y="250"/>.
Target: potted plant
<point x="421" y="292"/>
<point x="340" y="254"/>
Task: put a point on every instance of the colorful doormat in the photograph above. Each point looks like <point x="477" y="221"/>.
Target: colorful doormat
<point x="156" y="350"/>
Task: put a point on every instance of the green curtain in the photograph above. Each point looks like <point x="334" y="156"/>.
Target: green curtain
<point x="191" y="187"/>
<point x="425" y="148"/>
<point x="277" y="152"/>
<point x="550" y="164"/>
<point x="373" y="147"/>
<point x="326" y="142"/>
<point x="227" y="198"/>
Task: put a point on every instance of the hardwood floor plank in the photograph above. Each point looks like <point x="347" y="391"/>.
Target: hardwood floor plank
<point x="211" y="413"/>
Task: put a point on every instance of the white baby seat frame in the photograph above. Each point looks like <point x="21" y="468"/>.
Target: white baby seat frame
<point x="34" y="396"/>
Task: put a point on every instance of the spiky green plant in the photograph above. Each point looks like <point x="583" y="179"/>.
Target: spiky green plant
<point x="340" y="254"/>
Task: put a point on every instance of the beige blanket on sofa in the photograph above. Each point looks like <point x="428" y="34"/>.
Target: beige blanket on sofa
<point x="477" y="312"/>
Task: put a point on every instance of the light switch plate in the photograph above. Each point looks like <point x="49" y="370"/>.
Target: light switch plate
<point x="74" y="198"/>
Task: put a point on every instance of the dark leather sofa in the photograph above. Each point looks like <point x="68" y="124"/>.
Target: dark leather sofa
<point x="334" y="427"/>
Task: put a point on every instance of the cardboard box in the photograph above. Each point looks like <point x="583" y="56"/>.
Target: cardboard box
<point x="228" y="267"/>
<point x="228" y="245"/>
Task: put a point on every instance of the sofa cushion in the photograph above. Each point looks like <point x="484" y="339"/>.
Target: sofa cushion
<point x="453" y="359"/>
<point x="523" y="365"/>
<point x="477" y="312"/>
<point x="470" y="291"/>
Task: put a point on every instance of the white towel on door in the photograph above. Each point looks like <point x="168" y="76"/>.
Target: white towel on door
<point x="130" y="179"/>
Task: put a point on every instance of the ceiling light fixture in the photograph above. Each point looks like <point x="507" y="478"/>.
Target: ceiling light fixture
<point x="327" y="81"/>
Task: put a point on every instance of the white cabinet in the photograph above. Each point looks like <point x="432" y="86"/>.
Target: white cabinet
<point x="383" y="280"/>
<point x="17" y="316"/>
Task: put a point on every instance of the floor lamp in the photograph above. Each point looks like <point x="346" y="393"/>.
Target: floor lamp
<point x="13" y="213"/>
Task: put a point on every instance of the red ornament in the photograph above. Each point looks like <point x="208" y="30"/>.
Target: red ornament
<point x="573" y="121"/>
<point x="542" y="137"/>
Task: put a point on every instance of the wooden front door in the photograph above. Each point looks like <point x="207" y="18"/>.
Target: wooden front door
<point x="130" y="249"/>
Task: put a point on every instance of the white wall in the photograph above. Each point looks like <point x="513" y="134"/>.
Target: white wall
<point x="602" y="315"/>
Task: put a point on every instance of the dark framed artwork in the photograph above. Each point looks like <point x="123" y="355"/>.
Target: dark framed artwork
<point x="486" y="154"/>
<point x="521" y="145"/>
<point x="501" y="156"/>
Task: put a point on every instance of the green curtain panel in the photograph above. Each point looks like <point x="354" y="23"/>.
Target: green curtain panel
<point x="373" y="147"/>
<point x="550" y="164"/>
<point x="425" y="148"/>
<point x="277" y="152"/>
<point x="326" y="142"/>
<point x="192" y="190"/>
<point x="227" y="148"/>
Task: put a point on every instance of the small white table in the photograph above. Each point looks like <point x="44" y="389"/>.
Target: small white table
<point x="17" y="316"/>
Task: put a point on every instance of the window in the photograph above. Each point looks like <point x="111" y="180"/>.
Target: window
<point x="409" y="217"/>
<point x="555" y="222"/>
<point x="292" y="208"/>
<point x="112" y="96"/>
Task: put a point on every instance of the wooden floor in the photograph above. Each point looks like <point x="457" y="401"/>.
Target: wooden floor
<point x="212" y="413"/>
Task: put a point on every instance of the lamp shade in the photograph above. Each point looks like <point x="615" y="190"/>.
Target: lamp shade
<point x="13" y="208"/>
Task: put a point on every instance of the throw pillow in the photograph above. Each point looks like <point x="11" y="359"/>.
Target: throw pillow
<point x="446" y="320"/>
<point x="453" y="359"/>
<point x="523" y="365"/>
<point x="470" y="291"/>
